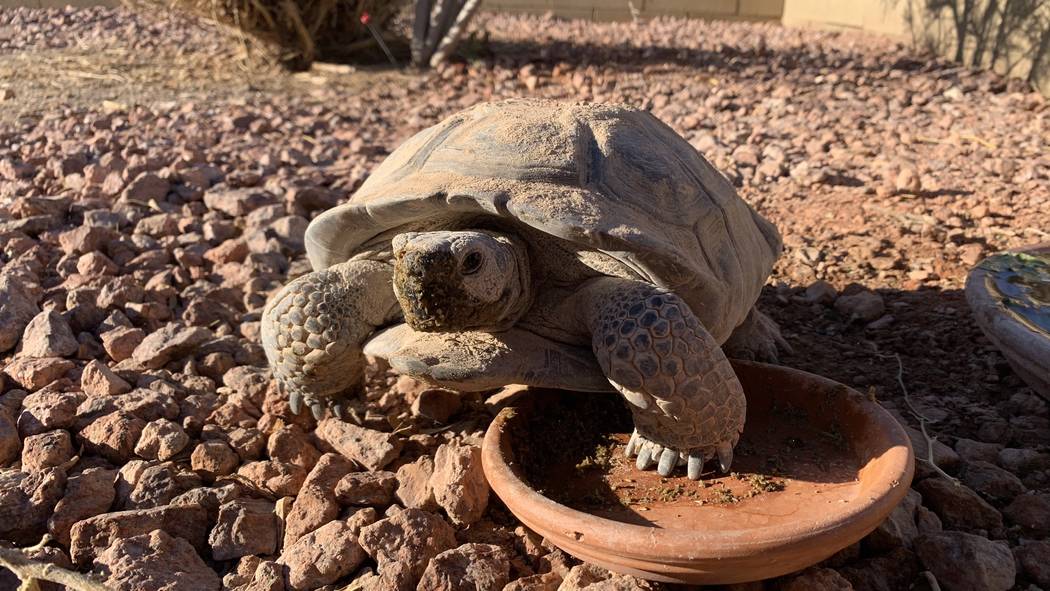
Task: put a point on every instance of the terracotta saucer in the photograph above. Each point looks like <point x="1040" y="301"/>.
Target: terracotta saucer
<point x="1009" y="294"/>
<point x="818" y="468"/>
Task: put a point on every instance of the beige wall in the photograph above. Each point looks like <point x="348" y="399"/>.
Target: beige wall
<point x="621" y="9"/>
<point x="880" y="16"/>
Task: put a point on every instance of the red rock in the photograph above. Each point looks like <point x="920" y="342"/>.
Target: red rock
<point x="120" y="343"/>
<point x="91" y="536"/>
<point x="18" y="305"/>
<point x="252" y="382"/>
<point x="589" y="576"/>
<point x="236" y="202"/>
<point x="289" y="444"/>
<point x="210" y="313"/>
<point x="48" y="335"/>
<point x="95" y="264"/>
<point x="238" y="412"/>
<point x="1034" y="559"/>
<point x="404" y="543"/>
<point x="971" y="450"/>
<point x="328" y="553"/>
<point x="242" y="575"/>
<point x="10" y="442"/>
<point x="958" y="505"/>
<point x="279" y="478"/>
<point x="157" y="484"/>
<point x="549" y="581"/>
<point x="1031" y="512"/>
<point x="97" y="379"/>
<point x="413" y="485"/>
<point x="112" y="436"/>
<point x="907" y="181"/>
<point x="965" y="562"/>
<point x="899" y="528"/>
<point x="459" y="483"/>
<point x="372" y="449"/>
<point x="210" y="498"/>
<point x="155" y="560"/>
<point x="170" y="342"/>
<point x="87" y="494"/>
<point x="46" y="450"/>
<point x="313" y="198"/>
<point x="146" y="187"/>
<point x="316" y="503"/>
<point x="470" y="567"/>
<point x="148" y="405"/>
<point x="248" y="443"/>
<point x="991" y="481"/>
<point x="436" y="404"/>
<point x="1020" y="461"/>
<point x="194" y="409"/>
<point x="944" y="456"/>
<point x="212" y="459"/>
<point x="245" y="527"/>
<point x="122" y="289"/>
<point x="158" y="226"/>
<point x="47" y="410"/>
<point x="33" y="373"/>
<point x="161" y="440"/>
<point x="84" y="239"/>
<point x="366" y="488"/>
<point x="26" y="501"/>
<point x="818" y="579"/>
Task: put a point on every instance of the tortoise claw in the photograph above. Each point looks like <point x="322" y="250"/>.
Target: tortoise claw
<point x="725" y="455"/>
<point x="295" y="402"/>
<point x="694" y="465"/>
<point x="645" y="458"/>
<point x="668" y="460"/>
<point x="632" y="445"/>
<point x="317" y="410"/>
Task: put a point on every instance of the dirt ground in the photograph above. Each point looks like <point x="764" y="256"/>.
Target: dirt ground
<point x="889" y="174"/>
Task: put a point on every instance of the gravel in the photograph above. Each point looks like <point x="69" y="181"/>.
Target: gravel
<point x="153" y="194"/>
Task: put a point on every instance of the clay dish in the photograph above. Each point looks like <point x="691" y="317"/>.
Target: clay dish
<point x="1009" y="294"/>
<point x="818" y="468"/>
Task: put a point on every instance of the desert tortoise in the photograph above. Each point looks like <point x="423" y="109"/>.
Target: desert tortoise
<point x="538" y="242"/>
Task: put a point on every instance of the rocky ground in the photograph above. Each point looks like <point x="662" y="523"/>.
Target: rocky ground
<point x="154" y="191"/>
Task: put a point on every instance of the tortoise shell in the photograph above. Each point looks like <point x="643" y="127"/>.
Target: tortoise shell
<point x="607" y="178"/>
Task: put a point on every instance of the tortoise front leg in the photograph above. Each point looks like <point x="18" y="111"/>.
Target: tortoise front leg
<point x="687" y="403"/>
<point x="315" y="326"/>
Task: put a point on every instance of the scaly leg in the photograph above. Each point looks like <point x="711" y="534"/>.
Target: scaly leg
<point x="314" y="328"/>
<point x="687" y="403"/>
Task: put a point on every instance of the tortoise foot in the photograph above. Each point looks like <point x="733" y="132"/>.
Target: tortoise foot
<point x="297" y="400"/>
<point x="650" y="453"/>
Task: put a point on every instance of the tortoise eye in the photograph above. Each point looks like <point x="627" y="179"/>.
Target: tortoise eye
<point x="471" y="263"/>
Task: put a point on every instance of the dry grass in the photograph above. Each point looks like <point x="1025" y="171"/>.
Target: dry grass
<point x="296" y="32"/>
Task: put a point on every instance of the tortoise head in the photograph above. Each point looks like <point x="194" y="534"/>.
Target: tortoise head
<point x="460" y="280"/>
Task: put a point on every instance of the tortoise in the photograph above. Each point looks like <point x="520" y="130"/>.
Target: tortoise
<point x="543" y="243"/>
